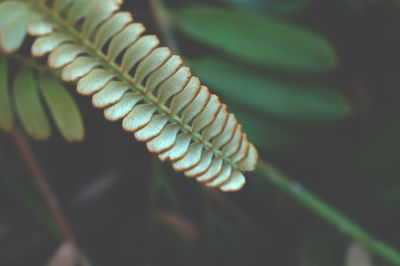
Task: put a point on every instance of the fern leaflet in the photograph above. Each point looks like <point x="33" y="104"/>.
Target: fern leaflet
<point x="144" y="85"/>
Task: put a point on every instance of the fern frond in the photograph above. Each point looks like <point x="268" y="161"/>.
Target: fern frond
<point x="145" y="86"/>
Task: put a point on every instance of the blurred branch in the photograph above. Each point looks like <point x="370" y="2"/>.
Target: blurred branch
<point x="43" y="186"/>
<point x="326" y="212"/>
<point x="50" y="198"/>
<point x="28" y="201"/>
<point x="162" y="19"/>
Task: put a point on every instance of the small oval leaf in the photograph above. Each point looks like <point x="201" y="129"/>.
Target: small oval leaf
<point x="63" y="109"/>
<point x="29" y="106"/>
<point x="6" y="113"/>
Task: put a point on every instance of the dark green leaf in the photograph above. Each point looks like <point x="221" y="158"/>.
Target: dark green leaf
<point x="272" y="6"/>
<point x="266" y="135"/>
<point x="6" y="113"/>
<point x="257" y="39"/>
<point x="285" y="99"/>
<point x="63" y="109"/>
<point x="29" y="106"/>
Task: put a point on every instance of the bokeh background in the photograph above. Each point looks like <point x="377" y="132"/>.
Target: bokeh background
<point x="315" y="84"/>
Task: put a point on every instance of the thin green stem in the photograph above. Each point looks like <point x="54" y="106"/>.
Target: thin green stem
<point x="326" y="212"/>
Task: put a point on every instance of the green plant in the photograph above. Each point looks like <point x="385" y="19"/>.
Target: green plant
<point x="97" y="47"/>
<point x="32" y="83"/>
<point x="161" y="102"/>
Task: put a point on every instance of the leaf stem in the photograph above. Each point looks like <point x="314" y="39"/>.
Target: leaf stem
<point x="326" y="212"/>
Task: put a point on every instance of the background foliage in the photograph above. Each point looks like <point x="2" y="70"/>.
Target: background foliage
<point x="315" y="85"/>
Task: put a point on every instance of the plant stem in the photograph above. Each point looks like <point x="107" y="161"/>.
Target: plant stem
<point x="37" y="174"/>
<point x="326" y="212"/>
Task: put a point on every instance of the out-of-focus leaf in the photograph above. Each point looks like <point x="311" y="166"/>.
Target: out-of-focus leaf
<point x="63" y="109"/>
<point x="357" y="255"/>
<point x="272" y="6"/>
<point x="272" y="96"/>
<point x="257" y="39"/>
<point x="266" y="135"/>
<point x="29" y="106"/>
<point x="9" y="9"/>
<point x="6" y="113"/>
<point x="14" y="31"/>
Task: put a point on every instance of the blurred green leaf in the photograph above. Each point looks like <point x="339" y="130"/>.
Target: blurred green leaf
<point x="272" y="6"/>
<point x="6" y="113"/>
<point x="63" y="108"/>
<point x="29" y="106"/>
<point x="266" y="135"/>
<point x="14" y="31"/>
<point x="257" y="39"/>
<point x="272" y="96"/>
<point x="8" y="10"/>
